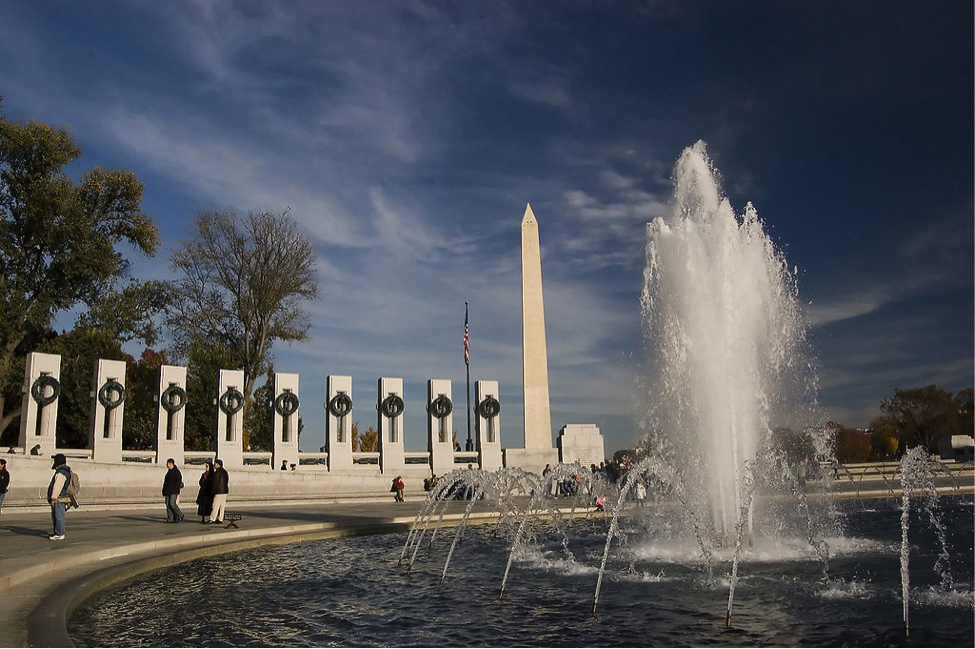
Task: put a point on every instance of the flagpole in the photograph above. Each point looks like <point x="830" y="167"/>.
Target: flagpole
<point x="467" y="362"/>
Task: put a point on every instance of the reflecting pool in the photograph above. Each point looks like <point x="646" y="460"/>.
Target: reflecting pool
<point x="351" y="592"/>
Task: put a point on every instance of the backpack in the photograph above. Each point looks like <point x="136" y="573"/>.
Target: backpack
<point x="74" y="485"/>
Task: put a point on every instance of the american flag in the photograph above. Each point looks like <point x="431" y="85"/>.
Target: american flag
<point x="467" y="347"/>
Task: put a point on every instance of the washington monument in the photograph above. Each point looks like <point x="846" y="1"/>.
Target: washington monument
<point x="538" y="419"/>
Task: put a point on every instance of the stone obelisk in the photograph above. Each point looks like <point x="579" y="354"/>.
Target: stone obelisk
<point x="538" y="419"/>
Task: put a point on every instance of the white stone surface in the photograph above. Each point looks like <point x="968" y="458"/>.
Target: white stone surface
<point x="582" y="443"/>
<point x="169" y="427"/>
<point x="31" y="433"/>
<point x="440" y="441"/>
<point x="230" y="428"/>
<point x="105" y="437"/>
<point x="338" y="430"/>
<point x="392" y="458"/>
<point x="538" y="418"/>
<point x="488" y="430"/>
<point x="284" y="430"/>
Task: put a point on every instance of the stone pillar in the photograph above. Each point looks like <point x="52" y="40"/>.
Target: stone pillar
<point x="284" y="430"/>
<point x="171" y="414"/>
<point x="230" y="419"/>
<point x="390" y="405"/>
<point x="488" y="424"/>
<point x="39" y="408"/>
<point x="107" y="408"/>
<point x="440" y="426"/>
<point x="338" y="422"/>
<point x="582" y="443"/>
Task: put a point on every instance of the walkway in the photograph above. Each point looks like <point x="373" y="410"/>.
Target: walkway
<point x="43" y="581"/>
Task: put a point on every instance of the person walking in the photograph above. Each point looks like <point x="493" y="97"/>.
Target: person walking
<point x="172" y="485"/>
<point x="4" y="481"/>
<point x="220" y="487"/>
<point x="57" y="494"/>
<point x="204" y="498"/>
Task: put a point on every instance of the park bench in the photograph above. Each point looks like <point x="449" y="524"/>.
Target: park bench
<point x="231" y="519"/>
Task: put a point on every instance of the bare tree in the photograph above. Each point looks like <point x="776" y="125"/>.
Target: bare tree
<point x="245" y="282"/>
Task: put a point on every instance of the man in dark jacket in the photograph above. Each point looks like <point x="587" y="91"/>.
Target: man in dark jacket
<point x="57" y="494"/>
<point x="4" y="480"/>
<point x="220" y="488"/>
<point x="172" y="484"/>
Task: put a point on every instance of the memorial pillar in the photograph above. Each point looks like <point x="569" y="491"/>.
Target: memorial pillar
<point x="171" y="414"/>
<point x="392" y="457"/>
<point x="488" y="424"/>
<point x="230" y="419"/>
<point x="108" y="397"/>
<point x="39" y="408"/>
<point x="338" y="422"/>
<point x="440" y="426"/>
<point x="284" y="431"/>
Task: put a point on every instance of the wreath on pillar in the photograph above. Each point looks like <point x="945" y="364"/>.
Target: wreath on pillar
<point x="231" y="401"/>
<point x="441" y="407"/>
<point x="286" y="404"/>
<point x="489" y="407"/>
<point x="392" y="406"/>
<point x="40" y="386"/>
<point x="340" y="405"/>
<point x="111" y="395"/>
<point x="173" y="399"/>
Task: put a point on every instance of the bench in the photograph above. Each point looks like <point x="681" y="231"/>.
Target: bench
<point x="231" y="519"/>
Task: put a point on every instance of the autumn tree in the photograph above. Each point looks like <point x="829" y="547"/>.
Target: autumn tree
<point x="243" y="284"/>
<point x="367" y="442"/>
<point x="852" y="445"/>
<point x="58" y="240"/>
<point x="884" y="438"/>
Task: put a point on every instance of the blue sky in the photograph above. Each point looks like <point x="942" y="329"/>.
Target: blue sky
<point x="407" y="137"/>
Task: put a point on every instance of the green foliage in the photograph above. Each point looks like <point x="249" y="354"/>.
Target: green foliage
<point x="142" y="399"/>
<point x="924" y="415"/>
<point x="259" y="415"/>
<point x="202" y="384"/>
<point x="80" y="350"/>
<point x="58" y="241"/>
<point x="243" y="284"/>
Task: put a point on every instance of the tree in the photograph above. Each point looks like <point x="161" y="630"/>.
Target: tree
<point x="367" y="442"/>
<point x="204" y="363"/>
<point x="57" y="237"/>
<point x="243" y="285"/>
<point x="852" y="445"/>
<point x="924" y="415"/>
<point x="884" y="437"/>
<point x="142" y="399"/>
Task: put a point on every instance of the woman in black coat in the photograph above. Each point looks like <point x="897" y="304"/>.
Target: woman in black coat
<point x="204" y="499"/>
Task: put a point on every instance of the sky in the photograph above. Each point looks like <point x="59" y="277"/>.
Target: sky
<point x="407" y="138"/>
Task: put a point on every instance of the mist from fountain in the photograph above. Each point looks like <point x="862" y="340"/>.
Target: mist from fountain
<point x="726" y="341"/>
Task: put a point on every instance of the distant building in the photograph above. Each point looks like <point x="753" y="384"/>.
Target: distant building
<point x="960" y="448"/>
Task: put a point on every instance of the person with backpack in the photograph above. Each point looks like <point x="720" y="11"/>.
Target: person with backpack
<point x="57" y="494"/>
<point x="172" y="484"/>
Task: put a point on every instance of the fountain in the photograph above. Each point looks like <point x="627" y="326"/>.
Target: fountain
<point x="731" y="511"/>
